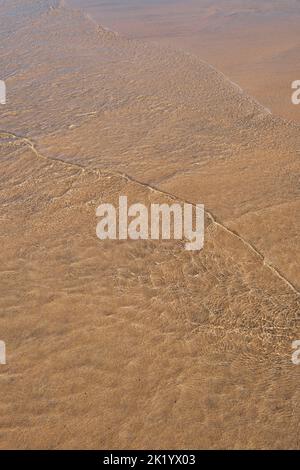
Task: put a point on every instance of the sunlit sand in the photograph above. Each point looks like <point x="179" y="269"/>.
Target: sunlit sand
<point x="141" y="344"/>
<point x="254" y="43"/>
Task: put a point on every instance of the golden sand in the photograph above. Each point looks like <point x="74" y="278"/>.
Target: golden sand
<point x="141" y="344"/>
<point x="254" y="42"/>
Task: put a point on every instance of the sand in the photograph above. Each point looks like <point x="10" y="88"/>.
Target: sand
<point x="254" y="42"/>
<point x="123" y="344"/>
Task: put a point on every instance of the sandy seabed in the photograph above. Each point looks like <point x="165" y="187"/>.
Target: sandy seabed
<point x="123" y="344"/>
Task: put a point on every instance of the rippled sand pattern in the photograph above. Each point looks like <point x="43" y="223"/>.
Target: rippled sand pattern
<point x="254" y="42"/>
<point x="141" y="344"/>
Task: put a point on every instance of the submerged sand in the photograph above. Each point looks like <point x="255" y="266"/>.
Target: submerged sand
<point x="141" y="344"/>
<point x="254" y="42"/>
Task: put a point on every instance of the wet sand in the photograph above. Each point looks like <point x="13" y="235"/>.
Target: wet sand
<point x="141" y="344"/>
<point x="255" y="43"/>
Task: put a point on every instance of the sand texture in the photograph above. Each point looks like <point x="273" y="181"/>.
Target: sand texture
<point x="141" y="344"/>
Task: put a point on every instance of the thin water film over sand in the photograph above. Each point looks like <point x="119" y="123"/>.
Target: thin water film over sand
<point x="254" y="42"/>
<point x="141" y="344"/>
